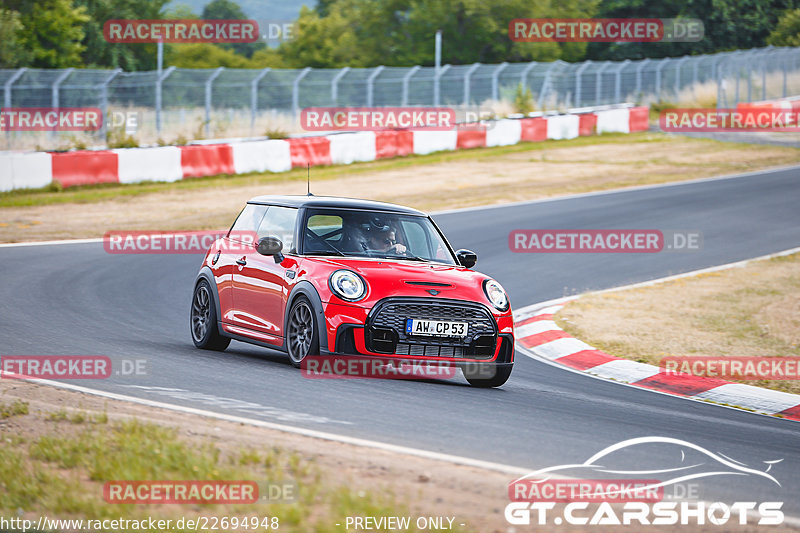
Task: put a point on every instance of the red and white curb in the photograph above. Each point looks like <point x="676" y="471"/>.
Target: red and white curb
<point x="23" y="170"/>
<point x="539" y="337"/>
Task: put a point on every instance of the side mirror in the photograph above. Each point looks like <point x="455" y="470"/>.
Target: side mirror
<point x="466" y="258"/>
<point x="270" y="246"/>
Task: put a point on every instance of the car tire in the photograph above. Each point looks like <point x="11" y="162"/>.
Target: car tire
<point x="478" y="377"/>
<point x="302" y="335"/>
<point x="203" y="320"/>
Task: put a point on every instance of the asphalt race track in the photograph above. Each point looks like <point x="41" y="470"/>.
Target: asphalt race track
<point x="76" y="299"/>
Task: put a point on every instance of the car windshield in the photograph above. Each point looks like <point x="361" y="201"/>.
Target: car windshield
<point x="354" y="233"/>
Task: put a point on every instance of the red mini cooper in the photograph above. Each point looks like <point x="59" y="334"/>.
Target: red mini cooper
<point x="339" y="276"/>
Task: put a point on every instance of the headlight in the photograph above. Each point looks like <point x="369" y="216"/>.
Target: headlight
<point x="496" y="294"/>
<point x="348" y="285"/>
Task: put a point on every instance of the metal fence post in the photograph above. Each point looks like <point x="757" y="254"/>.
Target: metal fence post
<point x="254" y="96"/>
<point x="678" y="66"/>
<point x="104" y="101"/>
<point x="661" y="64"/>
<point x="546" y="83"/>
<point x="296" y="90"/>
<point x="9" y="83"/>
<point x="7" y="95"/>
<point x="371" y="83"/>
<point x="436" y="84"/>
<point x="55" y="92"/>
<point x="467" y="75"/>
<point x="335" y="85"/>
<point x="495" y="80"/>
<point x="598" y="82"/>
<point x="578" y="84"/>
<point x="523" y="78"/>
<point x="56" y="84"/>
<point x="618" y="82"/>
<point x="209" y="81"/>
<point x="638" y="89"/>
<point x="159" y="82"/>
<point x="404" y="98"/>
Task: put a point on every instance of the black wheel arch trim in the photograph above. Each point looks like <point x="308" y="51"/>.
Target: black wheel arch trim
<point x="206" y="274"/>
<point x="307" y="289"/>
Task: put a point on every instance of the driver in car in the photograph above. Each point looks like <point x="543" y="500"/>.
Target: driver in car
<point x="384" y="240"/>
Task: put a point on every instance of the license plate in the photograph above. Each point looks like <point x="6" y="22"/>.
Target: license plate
<point x="436" y="328"/>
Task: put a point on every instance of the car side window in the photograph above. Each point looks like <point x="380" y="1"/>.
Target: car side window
<point x="279" y="222"/>
<point x="248" y="221"/>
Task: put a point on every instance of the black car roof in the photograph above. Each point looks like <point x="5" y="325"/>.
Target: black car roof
<point x="333" y="201"/>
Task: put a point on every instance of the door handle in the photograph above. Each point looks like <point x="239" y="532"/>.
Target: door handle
<point x="241" y="261"/>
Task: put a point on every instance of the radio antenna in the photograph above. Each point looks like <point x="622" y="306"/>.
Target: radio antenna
<point x="308" y="180"/>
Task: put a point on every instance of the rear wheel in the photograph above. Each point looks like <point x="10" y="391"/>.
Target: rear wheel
<point x="486" y="376"/>
<point x="302" y="337"/>
<point x="205" y="333"/>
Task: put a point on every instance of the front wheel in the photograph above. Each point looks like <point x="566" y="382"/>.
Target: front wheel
<point x="205" y="333"/>
<point x="302" y="337"/>
<point x="487" y="376"/>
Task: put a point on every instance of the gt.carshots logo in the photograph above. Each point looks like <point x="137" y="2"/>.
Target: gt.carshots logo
<point x="181" y="31"/>
<point x="637" y="500"/>
<point x="377" y="118"/>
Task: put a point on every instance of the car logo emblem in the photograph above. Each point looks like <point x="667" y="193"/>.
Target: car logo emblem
<point x="433" y="291"/>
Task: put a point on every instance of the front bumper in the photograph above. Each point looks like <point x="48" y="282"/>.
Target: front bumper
<point x="380" y="331"/>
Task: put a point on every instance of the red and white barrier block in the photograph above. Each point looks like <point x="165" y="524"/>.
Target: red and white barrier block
<point x="537" y="334"/>
<point x="172" y="163"/>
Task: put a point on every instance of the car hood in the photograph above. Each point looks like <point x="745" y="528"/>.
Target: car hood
<point x="387" y="277"/>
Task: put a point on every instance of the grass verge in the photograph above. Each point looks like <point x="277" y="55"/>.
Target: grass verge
<point x="750" y="311"/>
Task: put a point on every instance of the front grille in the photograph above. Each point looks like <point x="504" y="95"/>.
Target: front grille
<point x="393" y="313"/>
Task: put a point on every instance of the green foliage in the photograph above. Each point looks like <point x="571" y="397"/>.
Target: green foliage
<point x="52" y="31"/>
<point x="729" y="25"/>
<point x="363" y="33"/>
<point x="229" y="10"/>
<point x="523" y="100"/>
<point x="787" y="32"/>
<point x="16" y="408"/>
<point x="12" y="51"/>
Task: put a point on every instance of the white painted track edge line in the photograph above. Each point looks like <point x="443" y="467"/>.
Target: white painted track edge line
<point x="343" y="439"/>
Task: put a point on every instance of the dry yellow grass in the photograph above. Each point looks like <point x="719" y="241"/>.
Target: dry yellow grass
<point x="438" y="181"/>
<point x="748" y="311"/>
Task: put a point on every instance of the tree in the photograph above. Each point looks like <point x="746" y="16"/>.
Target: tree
<point x="12" y="52"/>
<point x="99" y="52"/>
<point x="365" y="33"/>
<point x="229" y="10"/>
<point x="52" y="31"/>
<point x="787" y="33"/>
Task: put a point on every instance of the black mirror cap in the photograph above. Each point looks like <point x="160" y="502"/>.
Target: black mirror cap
<point x="269" y="246"/>
<point x="467" y="258"/>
